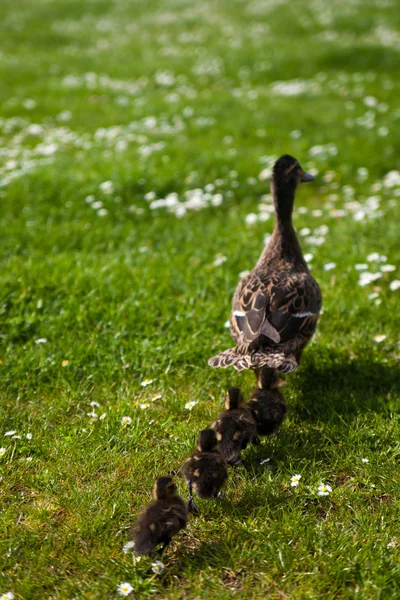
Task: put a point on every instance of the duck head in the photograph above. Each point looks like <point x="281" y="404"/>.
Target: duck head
<point x="233" y="398"/>
<point x="286" y="175"/>
<point x="207" y="441"/>
<point x="164" y="488"/>
<point x="288" y="172"/>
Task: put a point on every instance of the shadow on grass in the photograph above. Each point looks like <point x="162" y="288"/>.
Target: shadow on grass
<point x="328" y="393"/>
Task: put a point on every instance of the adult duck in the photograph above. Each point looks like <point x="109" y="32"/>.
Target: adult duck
<point x="276" y="307"/>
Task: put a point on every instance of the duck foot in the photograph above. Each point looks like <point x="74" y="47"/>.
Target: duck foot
<point x="192" y="508"/>
<point x="235" y="462"/>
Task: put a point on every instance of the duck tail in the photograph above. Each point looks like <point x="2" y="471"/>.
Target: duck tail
<point x="263" y="358"/>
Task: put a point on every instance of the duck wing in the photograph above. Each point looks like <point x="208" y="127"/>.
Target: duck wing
<point x="250" y="307"/>
<point x="294" y="306"/>
<point x="277" y="309"/>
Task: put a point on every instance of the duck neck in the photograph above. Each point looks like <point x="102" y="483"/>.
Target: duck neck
<point x="283" y="197"/>
<point x="283" y="245"/>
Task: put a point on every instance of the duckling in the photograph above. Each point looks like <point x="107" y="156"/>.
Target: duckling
<point x="205" y="470"/>
<point x="161" y="519"/>
<point x="235" y="427"/>
<point x="268" y="409"/>
<point x="275" y="308"/>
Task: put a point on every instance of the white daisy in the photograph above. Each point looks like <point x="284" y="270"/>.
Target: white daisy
<point x="329" y="266"/>
<point x="7" y="596"/>
<point x="324" y="490"/>
<point x="124" y="589"/>
<point x="295" y="480"/>
<point x="9" y="433"/>
<point x="379" y="337"/>
<point x="365" y="460"/>
<point x="3" y="451"/>
<point x="41" y="341"/>
<point x="190" y="405"/>
<point x="251" y="218"/>
<point x="144" y="405"/>
<point x="107" y="187"/>
<point x="146" y="382"/>
<point x="308" y="257"/>
<point x="28" y="436"/>
<point x="128" y="546"/>
<point x="158" y="567"/>
<point x="219" y="260"/>
<point x="126" y="420"/>
<point x="394" y="285"/>
<point x="387" y="268"/>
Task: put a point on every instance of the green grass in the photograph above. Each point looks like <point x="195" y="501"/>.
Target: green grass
<point x="133" y="293"/>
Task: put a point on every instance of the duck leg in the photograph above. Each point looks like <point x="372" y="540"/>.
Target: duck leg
<point x="164" y="546"/>
<point x="191" y="503"/>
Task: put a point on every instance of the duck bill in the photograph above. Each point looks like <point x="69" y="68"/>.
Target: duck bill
<point x="307" y="177"/>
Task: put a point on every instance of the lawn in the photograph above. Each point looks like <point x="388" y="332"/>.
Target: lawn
<point x="136" y="141"/>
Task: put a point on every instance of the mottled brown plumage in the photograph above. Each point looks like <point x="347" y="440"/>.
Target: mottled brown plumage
<point x="160" y="520"/>
<point x="205" y="470"/>
<point x="276" y="307"/>
<point x="235" y="428"/>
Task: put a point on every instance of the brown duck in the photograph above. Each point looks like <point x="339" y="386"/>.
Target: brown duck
<point x="268" y="408"/>
<point x="235" y="428"/>
<point x="205" y="470"/>
<point x="161" y="519"/>
<point x="276" y="307"/>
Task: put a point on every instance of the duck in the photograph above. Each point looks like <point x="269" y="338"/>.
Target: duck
<point x="205" y="471"/>
<point x="275" y="308"/>
<point x="268" y="407"/>
<point x="235" y="428"/>
<point x="160" y="520"/>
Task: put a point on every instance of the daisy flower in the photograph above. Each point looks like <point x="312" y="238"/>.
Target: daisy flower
<point x="40" y="341"/>
<point x="295" y="480"/>
<point x="12" y="432"/>
<point x="324" y="490"/>
<point x="365" y="460"/>
<point x="219" y="260"/>
<point x="329" y="266"/>
<point x="144" y="405"/>
<point x="158" y="567"/>
<point x="65" y="363"/>
<point x="3" y="451"/>
<point x="190" y="405"/>
<point x="7" y="596"/>
<point x="124" y="589"/>
<point x="126" y="420"/>
<point x="379" y="337"/>
<point x="146" y="382"/>
<point x="394" y="285"/>
<point x="308" y="257"/>
<point x="128" y="546"/>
